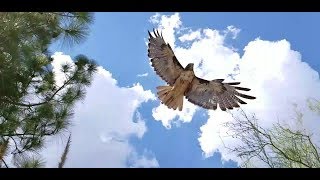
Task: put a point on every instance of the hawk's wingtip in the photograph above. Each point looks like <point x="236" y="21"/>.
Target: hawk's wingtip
<point x="150" y="34"/>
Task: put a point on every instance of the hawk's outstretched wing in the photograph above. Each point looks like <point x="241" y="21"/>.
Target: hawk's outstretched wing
<point x="163" y="58"/>
<point x="208" y="94"/>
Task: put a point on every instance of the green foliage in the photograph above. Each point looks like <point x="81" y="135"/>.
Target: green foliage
<point x="281" y="146"/>
<point x="32" y="105"/>
<point x="24" y="161"/>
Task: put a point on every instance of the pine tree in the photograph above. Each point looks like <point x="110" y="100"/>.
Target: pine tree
<point x="32" y="105"/>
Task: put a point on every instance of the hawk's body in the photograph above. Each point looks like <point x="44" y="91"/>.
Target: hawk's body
<point x="172" y="96"/>
<point x="183" y="82"/>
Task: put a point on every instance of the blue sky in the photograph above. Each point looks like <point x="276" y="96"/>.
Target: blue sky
<point x="117" y="43"/>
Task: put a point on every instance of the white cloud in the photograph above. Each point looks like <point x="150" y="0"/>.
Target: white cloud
<point x="143" y="162"/>
<point x="165" y="115"/>
<point x="193" y="35"/>
<point x="276" y="74"/>
<point x="102" y="124"/>
<point x="147" y="160"/>
<point x="167" y="25"/>
<point x="142" y="75"/>
<point x="233" y="30"/>
<point x="155" y="18"/>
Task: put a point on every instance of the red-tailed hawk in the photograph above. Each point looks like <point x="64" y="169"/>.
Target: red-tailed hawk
<point x="183" y="82"/>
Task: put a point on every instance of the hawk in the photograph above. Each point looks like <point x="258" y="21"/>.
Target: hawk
<point x="182" y="82"/>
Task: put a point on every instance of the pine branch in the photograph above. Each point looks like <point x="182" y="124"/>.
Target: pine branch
<point x="30" y="134"/>
<point x="40" y="103"/>
<point x="26" y="161"/>
<point x="87" y="17"/>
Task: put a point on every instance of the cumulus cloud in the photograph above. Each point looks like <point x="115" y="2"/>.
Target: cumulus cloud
<point x="275" y="72"/>
<point x="102" y="123"/>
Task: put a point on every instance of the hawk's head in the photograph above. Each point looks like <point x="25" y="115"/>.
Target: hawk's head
<point x="189" y="67"/>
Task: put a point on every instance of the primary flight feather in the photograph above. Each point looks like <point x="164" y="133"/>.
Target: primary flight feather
<point x="183" y="82"/>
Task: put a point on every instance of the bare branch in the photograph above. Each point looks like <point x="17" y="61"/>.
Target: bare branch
<point x="4" y="162"/>
<point x="276" y="147"/>
<point x="64" y="154"/>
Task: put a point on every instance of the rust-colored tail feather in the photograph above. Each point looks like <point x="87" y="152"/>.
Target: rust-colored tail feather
<point x="169" y="98"/>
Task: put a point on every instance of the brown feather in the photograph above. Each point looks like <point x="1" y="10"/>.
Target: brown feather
<point x="242" y="89"/>
<point x="168" y="97"/>
<point x="245" y="96"/>
<point x="201" y="93"/>
<point x="233" y="83"/>
<point x="163" y="59"/>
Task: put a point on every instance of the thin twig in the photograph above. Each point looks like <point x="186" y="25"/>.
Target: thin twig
<point x="4" y="162"/>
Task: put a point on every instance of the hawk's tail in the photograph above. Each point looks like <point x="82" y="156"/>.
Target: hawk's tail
<point x="169" y="98"/>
